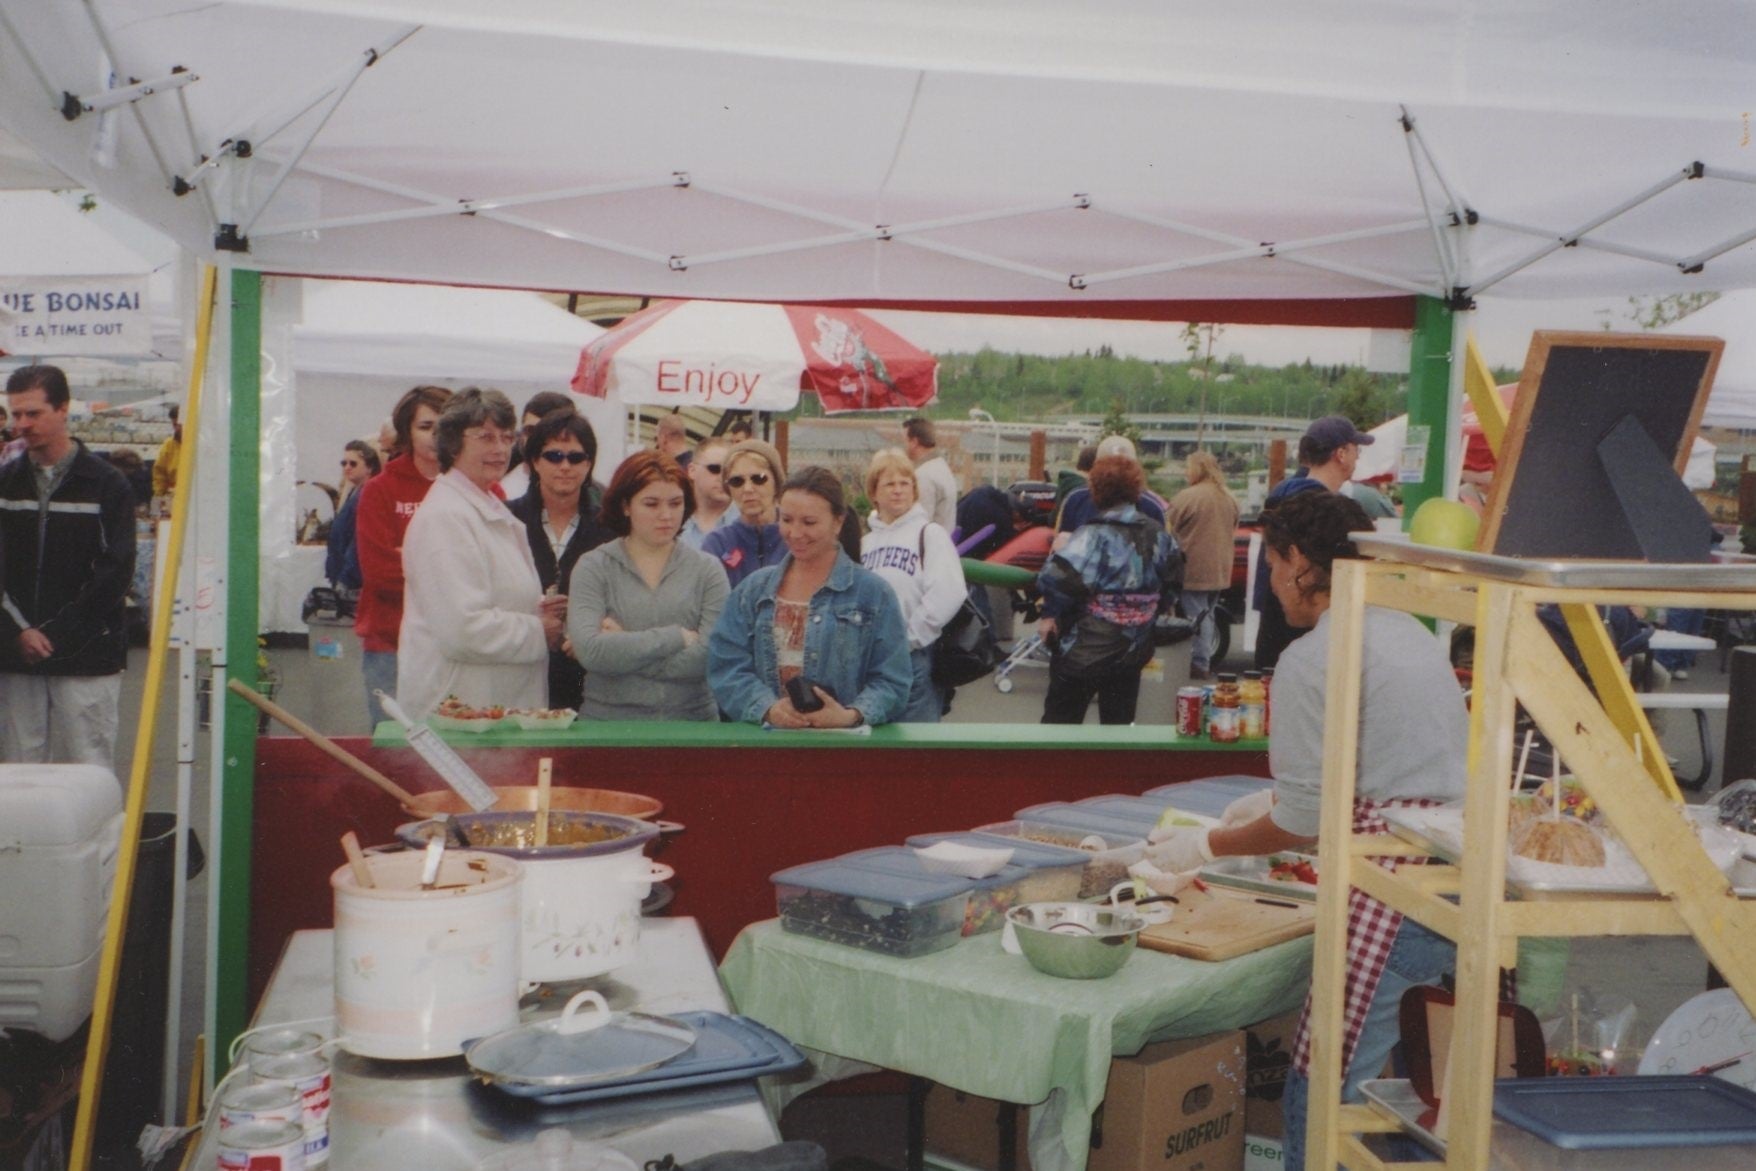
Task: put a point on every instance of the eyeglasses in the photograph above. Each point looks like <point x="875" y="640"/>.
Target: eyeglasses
<point x="572" y="457"/>
<point x="501" y="438"/>
<point x="713" y="469"/>
<point x="756" y="478"/>
<point x="350" y="463"/>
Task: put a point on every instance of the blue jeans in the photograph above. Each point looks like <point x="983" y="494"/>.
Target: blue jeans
<point x="1417" y="957"/>
<point x="925" y="703"/>
<point x="1197" y="607"/>
<point x="1682" y="622"/>
<point x="379" y="668"/>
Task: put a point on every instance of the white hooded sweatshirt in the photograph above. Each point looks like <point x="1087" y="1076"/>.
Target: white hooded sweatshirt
<point x="931" y="589"/>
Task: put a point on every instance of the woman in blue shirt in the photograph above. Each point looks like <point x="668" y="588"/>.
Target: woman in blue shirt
<point x="816" y="616"/>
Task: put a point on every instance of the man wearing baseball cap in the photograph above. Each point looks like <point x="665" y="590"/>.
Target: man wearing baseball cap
<point x="1328" y="452"/>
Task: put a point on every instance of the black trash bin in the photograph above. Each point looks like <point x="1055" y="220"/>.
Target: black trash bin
<point x="134" y="1072"/>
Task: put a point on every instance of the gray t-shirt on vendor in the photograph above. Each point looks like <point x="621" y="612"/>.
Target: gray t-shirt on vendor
<point x="1413" y="724"/>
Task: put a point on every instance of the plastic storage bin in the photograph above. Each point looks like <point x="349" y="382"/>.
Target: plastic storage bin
<point x="1074" y="816"/>
<point x="1209" y="795"/>
<point x="1106" y="858"/>
<point x="59" y="828"/>
<point x="989" y="898"/>
<point x="871" y="909"/>
<point x="1052" y="873"/>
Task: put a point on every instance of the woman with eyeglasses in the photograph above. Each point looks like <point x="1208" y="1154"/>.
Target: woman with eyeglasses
<point x="475" y="624"/>
<point x="640" y="607"/>
<point x="816" y="641"/>
<point x="559" y="509"/>
<point x="753" y="474"/>
<point x="341" y="565"/>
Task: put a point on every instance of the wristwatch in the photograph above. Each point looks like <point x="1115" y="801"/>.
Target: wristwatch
<point x="859" y="717"/>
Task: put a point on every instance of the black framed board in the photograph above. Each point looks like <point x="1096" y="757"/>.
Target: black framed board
<point x="1595" y="449"/>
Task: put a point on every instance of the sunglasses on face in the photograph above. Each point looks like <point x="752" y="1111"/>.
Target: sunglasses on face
<point x="756" y="478"/>
<point x="350" y="463"/>
<point x="559" y="457"/>
<point x="713" y="469"/>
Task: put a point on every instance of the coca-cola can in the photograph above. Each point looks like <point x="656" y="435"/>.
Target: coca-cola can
<point x="1189" y="704"/>
<point x="264" y="1103"/>
<point x="262" y="1146"/>
<point x="308" y="1075"/>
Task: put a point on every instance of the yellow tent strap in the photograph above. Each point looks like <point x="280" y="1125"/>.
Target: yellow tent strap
<point x="103" y="1008"/>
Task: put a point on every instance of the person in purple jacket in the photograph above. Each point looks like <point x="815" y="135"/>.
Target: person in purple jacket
<point x="752" y="474"/>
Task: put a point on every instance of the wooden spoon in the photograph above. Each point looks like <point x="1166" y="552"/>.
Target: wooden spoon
<point x="545" y="773"/>
<point x="350" y="845"/>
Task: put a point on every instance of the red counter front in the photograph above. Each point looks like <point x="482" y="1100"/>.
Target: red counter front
<point x="752" y="802"/>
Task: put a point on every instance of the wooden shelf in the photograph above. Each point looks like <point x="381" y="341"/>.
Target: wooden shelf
<point x="1607" y="744"/>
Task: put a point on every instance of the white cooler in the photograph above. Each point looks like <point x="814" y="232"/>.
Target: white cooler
<point x="59" y="828"/>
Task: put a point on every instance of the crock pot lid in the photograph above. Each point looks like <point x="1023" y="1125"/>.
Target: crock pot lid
<point x="542" y="1054"/>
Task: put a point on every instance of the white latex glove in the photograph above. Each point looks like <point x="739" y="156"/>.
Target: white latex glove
<point x="1159" y="881"/>
<point x="1185" y="849"/>
<point x="1245" y="810"/>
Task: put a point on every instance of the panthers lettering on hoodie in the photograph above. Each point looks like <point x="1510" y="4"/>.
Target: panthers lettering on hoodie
<point x="387" y="503"/>
<point x="920" y="564"/>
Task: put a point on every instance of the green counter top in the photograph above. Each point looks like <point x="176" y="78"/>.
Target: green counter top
<point x="694" y="734"/>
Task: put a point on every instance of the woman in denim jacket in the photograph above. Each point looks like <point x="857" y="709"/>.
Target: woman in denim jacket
<point x="816" y="616"/>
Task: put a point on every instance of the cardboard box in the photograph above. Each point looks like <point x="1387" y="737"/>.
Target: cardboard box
<point x="1263" y="1154"/>
<point x="1268" y="1056"/>
<point x="965" y="1128"/>
<point x="1174" y="1106"/>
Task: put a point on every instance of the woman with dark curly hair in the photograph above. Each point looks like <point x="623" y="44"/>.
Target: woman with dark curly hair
<point x="639" y="608"/>
<point x="1412" y="746"/>
<point x="1101" y="592"/>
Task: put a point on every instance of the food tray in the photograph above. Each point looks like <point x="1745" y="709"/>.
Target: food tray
<point x="1105" y="864"/>
<point x="989" y="898"/>
<point x="1438" y="830"/>
<point x="552" y="722"/>
<point x="891" y="914"/>
<point x="453" y="724"/>
<point x="1252" y="873"/>
<point x="1052" y="872"/>
<point x="1581" y="1114"/>
<point x="1604" y="575"/>
<point x="728" y="1049"/>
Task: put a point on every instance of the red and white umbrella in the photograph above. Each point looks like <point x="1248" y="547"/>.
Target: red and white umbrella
<point x="740" y="356"/>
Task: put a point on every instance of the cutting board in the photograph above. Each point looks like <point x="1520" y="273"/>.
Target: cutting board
<point x="1218" y="924"/>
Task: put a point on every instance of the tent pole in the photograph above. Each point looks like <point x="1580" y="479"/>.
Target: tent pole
<point x="1430" y="399"/>
<point x="234" y="718"/>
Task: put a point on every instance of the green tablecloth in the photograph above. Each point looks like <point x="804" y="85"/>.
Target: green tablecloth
<point x="987" y="1023"/>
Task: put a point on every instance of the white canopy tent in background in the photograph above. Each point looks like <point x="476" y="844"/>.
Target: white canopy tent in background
<point x="356" y="347"/>
<point x="67" y="287"/>
<point x="1732" y="317"/>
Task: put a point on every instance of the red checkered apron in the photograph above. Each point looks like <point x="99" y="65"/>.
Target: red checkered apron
<point x="1371" y="929"/>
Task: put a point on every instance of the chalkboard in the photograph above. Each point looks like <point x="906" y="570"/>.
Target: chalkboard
<point x="1554" y="495"/>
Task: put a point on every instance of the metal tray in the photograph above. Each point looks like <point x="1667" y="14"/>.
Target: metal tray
<point x="1729" y="576"/>
<point x="1396" y="1100"/>
<point x="1250" y="872"/>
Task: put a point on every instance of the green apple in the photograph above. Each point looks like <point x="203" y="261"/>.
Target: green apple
<point x="1445" y="523"/>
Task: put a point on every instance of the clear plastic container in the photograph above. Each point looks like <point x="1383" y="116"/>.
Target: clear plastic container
<point x="892" y="914"/>
<point x="1052" y="873"/>
<point x="1106" y="856"/>
<point x="1076" y="816"/>
<point x="1209" y="795"/>
<point x="989" y="898"/>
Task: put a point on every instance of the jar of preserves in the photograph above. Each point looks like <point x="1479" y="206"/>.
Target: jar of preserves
<point x="1222" y="724"/>
<point x="1252" y="707"/>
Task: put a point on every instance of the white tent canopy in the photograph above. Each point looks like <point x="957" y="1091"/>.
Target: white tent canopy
<point x="1066" y="154"/>
<point x="1733" y="317"/>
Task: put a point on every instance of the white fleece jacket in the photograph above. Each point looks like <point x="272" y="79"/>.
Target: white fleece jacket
<point x="931" y="590"/>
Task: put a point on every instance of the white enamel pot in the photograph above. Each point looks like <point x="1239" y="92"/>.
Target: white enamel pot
<point x="418" y="972"/>
<point x="580" y="908"/>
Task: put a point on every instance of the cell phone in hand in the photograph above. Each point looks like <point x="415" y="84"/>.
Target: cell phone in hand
<point x="804" y="696"/>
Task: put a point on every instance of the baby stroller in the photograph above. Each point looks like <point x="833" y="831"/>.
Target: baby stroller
<point x="1026" y="554"/>
<point x="1011" y="534"/>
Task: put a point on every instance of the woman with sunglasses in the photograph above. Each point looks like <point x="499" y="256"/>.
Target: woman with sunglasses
<point x="475" y="622"/>
<point x="640" y="608"/>
<point x="341" y="565"/>
<point x="753" y="474"/>
<point x="559" y="509"/>
<point x="816" y="641"/>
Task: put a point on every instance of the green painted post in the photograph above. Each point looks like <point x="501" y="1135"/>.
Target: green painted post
<point x="237" y="774"/>
<point x="1429" y="397"/>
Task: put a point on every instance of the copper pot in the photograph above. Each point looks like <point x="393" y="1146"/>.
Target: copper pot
<point x="523" y="798"/>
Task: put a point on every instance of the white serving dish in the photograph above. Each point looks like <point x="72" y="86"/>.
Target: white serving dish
<point x="550" y="723"/>
<point x="965" y="861"/>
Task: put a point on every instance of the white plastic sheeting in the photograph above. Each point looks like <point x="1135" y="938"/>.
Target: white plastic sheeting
<point x="1071" y="153"/>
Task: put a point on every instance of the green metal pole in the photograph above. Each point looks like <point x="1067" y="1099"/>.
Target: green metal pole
<point x="1429" y="398"/>
<point x="238" y="770"/>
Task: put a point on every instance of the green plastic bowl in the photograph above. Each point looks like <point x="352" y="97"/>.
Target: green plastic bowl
<point x="1075" y="941"/>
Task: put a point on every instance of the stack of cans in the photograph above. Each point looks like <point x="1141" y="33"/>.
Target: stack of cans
<point x="287" y="1088"/>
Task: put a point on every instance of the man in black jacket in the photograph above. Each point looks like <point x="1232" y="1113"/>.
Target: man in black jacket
<point x="67" y="529"/>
